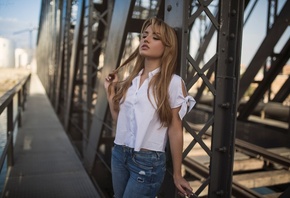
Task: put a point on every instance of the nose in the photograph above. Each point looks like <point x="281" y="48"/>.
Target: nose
<point x="146" y="39"/>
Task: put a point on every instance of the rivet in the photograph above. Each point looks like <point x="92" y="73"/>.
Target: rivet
<point x="225" y="105"/>
<point x="222" y="149"/>
<point x="220" y="192"/>
<point x="234" y="12"/>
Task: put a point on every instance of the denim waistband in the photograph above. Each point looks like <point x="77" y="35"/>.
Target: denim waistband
<point x="131" y="150"/>
<point x="124" y="148"/>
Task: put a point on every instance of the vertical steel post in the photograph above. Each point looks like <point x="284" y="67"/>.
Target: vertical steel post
<point x="67" y="49"/>
<point x="10" y="129"/>
<point x="74" y="63"/>
<point x="60" y="52"/>
<point x="20" y="102"/>
<point x="225" y="104"/>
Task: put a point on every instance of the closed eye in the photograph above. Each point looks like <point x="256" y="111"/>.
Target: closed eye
<point x="155" y="36"/>
<point x="144" y="34"/>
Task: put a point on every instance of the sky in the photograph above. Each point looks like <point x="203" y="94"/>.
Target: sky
<point x="18" y="15"/>
<point x="255" y="30"/>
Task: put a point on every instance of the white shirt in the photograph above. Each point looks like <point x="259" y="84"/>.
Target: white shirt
<point x="138" y="124"/>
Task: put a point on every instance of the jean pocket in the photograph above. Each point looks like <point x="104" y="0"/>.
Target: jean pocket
<point x="143" y="161"/>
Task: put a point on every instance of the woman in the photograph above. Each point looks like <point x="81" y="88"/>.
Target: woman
<point x="148" y="107"/>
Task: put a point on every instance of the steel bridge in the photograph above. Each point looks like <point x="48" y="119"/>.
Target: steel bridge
<point x="80" y="41"/>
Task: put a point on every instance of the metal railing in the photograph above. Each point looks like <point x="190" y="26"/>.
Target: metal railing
<point x="19" y="92"/>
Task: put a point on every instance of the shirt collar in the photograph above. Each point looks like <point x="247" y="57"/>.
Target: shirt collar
<point x="152" y="73"/>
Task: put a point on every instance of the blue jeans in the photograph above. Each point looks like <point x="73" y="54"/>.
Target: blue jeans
<point x="137" y="174"/>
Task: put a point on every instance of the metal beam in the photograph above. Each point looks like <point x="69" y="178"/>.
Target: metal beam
<point x="283" y="93"/>
<point x="202" y="172"/>
<point x="263" y="134"/>
<point x="74" y="63"/>
<point x="64" y="78"/>
<point x="204" y="45"/>
<point x="225" y="105"/>
<point x="116" y="37"/>
<point x="266" y="48"/>
<point x="257" y="150"/>
<point x="270" y="76"/>
<point x="61" y="46"/>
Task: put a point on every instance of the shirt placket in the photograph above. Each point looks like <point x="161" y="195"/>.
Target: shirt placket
<point x="133" y="130"/>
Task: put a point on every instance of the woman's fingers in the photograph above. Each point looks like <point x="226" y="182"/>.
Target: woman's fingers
<point x="108" y="78"/>
<point x="111" y="76"/>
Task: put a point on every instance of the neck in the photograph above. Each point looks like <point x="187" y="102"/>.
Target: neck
<point x="151" y="65"/>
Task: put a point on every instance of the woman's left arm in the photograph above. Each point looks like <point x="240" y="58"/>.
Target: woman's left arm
<point x="175" y="135"/>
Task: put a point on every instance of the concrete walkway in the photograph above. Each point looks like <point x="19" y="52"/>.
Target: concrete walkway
<point x="45" y="163"/>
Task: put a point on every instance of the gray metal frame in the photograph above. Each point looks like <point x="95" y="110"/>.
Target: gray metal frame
<point x="225" y="104"/>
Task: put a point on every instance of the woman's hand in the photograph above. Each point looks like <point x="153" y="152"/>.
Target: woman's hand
<point x="109" y="84"/>
<point x="183" y="186"/>
<point x="175" y="135"/>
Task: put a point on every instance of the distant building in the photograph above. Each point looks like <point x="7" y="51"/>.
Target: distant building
<point x="7" y="56"/>
<point x="21" y="58"/>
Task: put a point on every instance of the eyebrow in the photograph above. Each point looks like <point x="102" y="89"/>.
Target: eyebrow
<point x="155" y="33"/>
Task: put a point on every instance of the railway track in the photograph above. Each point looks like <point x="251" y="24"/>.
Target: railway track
<point x="257" y="172"/>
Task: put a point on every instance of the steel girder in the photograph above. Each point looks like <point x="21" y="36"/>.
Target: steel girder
<point x="45" y="29"/>
<point x="115" y="42"/>
<point x="75" y="64"/>
<point x="225" y="104"/>
<point x="60" y="16"/>
<point x="266" y="48"/>
<point x="61" y="60"/>
<point x="70" y="85"/>
<point x="98" y="149"/>
<point x="276" y="68"/>
<point x="93" y="43"/>
<point x="283" y="92"/>
<point x="61" y="100"/>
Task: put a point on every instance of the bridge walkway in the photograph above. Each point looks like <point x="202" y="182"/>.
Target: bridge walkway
<point x="46" y="164"/>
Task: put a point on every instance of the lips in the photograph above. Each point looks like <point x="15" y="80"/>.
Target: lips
<point x="144" y="46"/>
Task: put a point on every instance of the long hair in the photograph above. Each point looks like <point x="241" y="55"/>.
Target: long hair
<point x="160" y="82"/>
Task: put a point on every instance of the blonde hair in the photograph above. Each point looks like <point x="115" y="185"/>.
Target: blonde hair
<point x="160" y="82"/>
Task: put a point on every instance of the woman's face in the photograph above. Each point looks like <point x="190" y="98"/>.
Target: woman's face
<point x="151" y="46"/>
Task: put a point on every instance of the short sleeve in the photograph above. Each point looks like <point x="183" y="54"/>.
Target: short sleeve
<point x="177" y="98"/>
